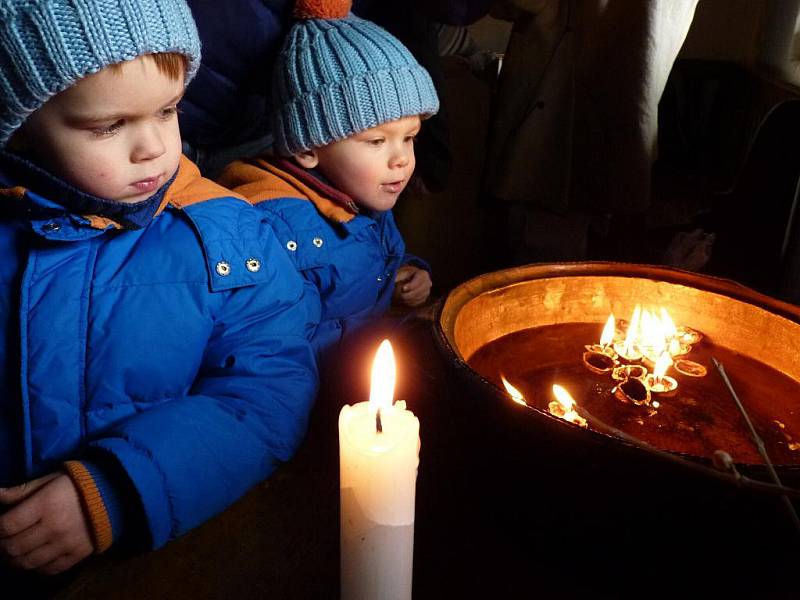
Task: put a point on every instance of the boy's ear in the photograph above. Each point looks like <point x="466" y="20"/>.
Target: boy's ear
<point x="307" y="159"/>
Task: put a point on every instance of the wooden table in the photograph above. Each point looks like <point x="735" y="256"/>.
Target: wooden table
<point x="492" y="520"/>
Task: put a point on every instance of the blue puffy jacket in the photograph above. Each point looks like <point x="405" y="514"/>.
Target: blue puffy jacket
<point x="349" y="257"/>
<point x="178" y="348"/>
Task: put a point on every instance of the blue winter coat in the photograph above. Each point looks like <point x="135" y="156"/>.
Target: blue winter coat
<point x="179" y="348"/>
<point x="350" y="257"/>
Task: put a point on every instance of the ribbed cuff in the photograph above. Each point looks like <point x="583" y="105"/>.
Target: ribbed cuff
<point x="95" y="493"/>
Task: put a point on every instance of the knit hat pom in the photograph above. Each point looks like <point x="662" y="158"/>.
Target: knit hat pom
<point x="322" y="9"/>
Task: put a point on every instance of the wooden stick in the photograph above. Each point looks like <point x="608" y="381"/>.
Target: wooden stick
<point x="730" y="475"/>
<point x="759" y="444"/>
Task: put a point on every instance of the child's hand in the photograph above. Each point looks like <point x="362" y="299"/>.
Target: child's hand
<point x="45" y="529"/>
<point x="412" y="285"/>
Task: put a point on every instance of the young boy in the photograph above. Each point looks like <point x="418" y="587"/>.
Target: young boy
<point x="154" y="362"/>
<point x="348" y="100"/>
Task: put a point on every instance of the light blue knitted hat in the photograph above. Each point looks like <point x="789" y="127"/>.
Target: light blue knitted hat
<point x="48" y="45"/>
<point x="337" y="75"/>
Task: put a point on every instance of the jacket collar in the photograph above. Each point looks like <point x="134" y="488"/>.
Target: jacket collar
<point x="336" y="206"/>
<point x="185" y="188"/>
<point x="51" y="196"/>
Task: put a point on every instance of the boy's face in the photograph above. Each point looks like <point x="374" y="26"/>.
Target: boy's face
<point x="372" y="166"/>
<point x="114" y="134"/>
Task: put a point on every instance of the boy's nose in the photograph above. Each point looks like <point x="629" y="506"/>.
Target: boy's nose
<point x="149" y="144"/>
<point x="398" y="160"/>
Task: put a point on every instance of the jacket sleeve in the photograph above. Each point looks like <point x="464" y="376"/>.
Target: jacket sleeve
<point x="416" y="261"/>
<point x="191" y="457"/>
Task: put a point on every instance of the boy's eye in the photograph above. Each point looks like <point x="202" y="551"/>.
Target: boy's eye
<point x="169" y="111"/>
<point x="109" y="130"/>
<point x="375" y="141"/>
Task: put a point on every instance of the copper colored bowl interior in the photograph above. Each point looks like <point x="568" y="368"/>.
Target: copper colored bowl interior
<point x="504" y="302"/>
<point x="493" y="305"/>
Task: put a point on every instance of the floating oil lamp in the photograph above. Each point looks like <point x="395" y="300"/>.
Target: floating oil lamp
<point x="652" y="339"/>
<point x="606" y="345"/>
<point x="601" y="358"/>
<point x="515" y="394"/>
<point x="632" y="391"/>
<point x="627" y="350"/>
<point x="624" y="372"/>
<point x="564" y="407"/>
<point x="599" y="363"/>
<point x="678" y="348"/>
<point x="658" y="382"/>
<point x="687" y="335"/>
<point x="690" y="368"/>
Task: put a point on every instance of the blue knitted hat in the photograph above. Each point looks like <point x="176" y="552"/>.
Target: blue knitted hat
<point x="48" y="45"/>
<point x="337" y="75"/>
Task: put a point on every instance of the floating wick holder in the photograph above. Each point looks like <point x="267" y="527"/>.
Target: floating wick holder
<point x="663" y="386"/>
<point x="599" y="362"/>
<point x="682" y="350"/>
<point x="689" y="336"/>
<point x="601" y="349"/>
<point x="689" y="368"/>
<point x="632" y="391"/>
<point x="627" y="354"/>
<point x="624" y="372"/>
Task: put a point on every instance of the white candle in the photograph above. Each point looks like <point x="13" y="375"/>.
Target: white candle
<point x="377" y="480"/>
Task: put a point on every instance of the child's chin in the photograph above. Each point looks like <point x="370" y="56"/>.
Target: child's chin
<point x="128" y="198"/>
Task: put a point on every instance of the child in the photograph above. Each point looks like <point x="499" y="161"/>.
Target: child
<point x="348" y="100"/>
<point x="154" y="362"/>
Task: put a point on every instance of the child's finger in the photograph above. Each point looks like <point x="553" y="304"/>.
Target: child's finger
<point x="38" y="558"/>
<point x="415" y="296"/>
<point x="60" y="564"/>
<point x="18" y="519"/>
<point x="15" y="494"/>
<point x="24" y="542"/>
<point x="409" y="285"/>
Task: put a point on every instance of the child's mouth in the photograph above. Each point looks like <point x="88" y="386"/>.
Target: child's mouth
<point x="147" y="185"/>
<point x="395" y="187"/>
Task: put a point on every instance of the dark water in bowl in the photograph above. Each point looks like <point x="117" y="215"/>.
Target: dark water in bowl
<point x="700" y="418"/>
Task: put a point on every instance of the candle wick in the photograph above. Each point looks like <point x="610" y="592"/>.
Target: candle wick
<point x="378" y="424"/>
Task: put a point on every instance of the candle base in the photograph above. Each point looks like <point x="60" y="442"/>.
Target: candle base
<point x="376" y="559"/>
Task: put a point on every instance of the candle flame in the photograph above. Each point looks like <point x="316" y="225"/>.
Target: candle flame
<point x="381" y="393"/>
<point x="663" y="362"/>
<point x="633" y="329"/>
<point x="565" y="406"/>
<point x="563" y="396"/>
<point x="608" y="331"/>
<point x="670" y="330"/>
<point x="515" y="394"/>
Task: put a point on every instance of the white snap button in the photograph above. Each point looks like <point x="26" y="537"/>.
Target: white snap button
<point x="223" y="268"/>
<point x="291" y="245"/>
<point x="253" y="264"/>
<point x="317" y="241"/>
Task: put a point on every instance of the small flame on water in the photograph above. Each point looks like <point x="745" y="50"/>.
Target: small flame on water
<point x="633" y="329"/>
<point x="515" y="394"/>
<point x="652" y="338"/>
<point x="563" y="396"/>
<point x="662" y="364"/>
<point x="608" y="331"/>
<point x="670" y="330"/>
<point x="564" y="406"/>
